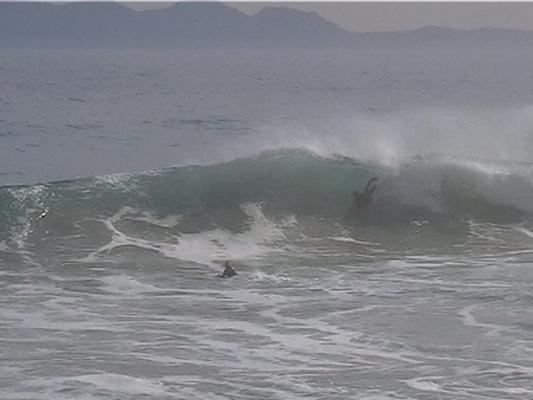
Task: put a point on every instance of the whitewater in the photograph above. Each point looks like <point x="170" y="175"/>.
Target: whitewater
<point x="127" y="179"/>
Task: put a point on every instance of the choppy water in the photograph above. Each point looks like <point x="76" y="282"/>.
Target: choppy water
<point x="114" y="292"/>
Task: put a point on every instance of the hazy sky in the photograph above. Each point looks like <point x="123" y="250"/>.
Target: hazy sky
<point x="381" y="16"/>
<point x="377" y="16"/>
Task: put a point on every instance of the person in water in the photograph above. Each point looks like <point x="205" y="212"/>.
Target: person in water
<point x="363" y="200"/>
<point x="228" y="271"/>
<point x="43" y="214"/>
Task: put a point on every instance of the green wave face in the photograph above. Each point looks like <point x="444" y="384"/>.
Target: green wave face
<point x="429" y="190"/>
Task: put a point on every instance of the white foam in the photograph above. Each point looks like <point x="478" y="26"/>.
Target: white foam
<point x="425" y="384"/>
<point x="351" y="240"/>
<point x="117" y="180"/>
<point x="381" y="397"/>
<point x="22" y="194"/>
<point x="124" y="384"/>
<point x="205" y="247"/>
<point x="522" y="229"/>
<point x="217" y="244"/>
<point x="126" y="285"/>
<point x="517" y="390"/>
<point x="170" y="221"/>
<point x="469" y="320"/>
<point x="263" y="276"/>
<point x="79" y="321"/>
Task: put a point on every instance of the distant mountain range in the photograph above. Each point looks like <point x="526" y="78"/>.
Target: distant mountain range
<point x="211" y="25"/>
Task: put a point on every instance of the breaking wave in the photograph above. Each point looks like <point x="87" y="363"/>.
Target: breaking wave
<point x="242" y="207"/>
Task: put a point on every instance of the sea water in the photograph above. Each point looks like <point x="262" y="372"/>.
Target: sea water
<point x="129" y="177"/>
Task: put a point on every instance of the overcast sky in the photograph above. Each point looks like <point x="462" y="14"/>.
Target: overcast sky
<point x="381" y="16"/>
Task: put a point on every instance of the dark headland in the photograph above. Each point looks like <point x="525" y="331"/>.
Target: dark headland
<point x="212" y="25"/>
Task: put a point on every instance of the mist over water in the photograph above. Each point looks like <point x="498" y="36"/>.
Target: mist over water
<point x="147" y="110"/>
<point x="128" y="178"/>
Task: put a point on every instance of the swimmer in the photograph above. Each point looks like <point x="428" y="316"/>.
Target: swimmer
<point x="228" y="271"/>
<point x="363" y="200"/>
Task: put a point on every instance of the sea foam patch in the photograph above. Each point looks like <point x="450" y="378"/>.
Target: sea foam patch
<point x="202" y="248"/>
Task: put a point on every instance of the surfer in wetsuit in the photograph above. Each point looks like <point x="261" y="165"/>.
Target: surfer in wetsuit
<point x="228" y="271"/>
<point x="43" y="214"/>
<point x="363" y="200"/>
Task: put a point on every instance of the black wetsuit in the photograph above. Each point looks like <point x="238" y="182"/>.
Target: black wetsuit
<point x="228" y="271"/>
<point x="363" y="200"/>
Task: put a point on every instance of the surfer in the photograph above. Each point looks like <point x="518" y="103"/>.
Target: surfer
<point x="363" y="200"/>
<point x="43" y="214"/>
<point x="228" y="271"/>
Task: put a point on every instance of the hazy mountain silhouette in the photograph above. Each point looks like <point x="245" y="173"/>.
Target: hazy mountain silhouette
<point x="209" y="25"/>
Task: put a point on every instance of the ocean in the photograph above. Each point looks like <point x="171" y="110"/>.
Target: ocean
<point x="128" y="178"/>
